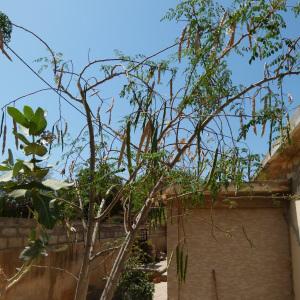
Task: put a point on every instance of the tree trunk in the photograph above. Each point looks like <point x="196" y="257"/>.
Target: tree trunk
<point x="83" y="280"/>
<point x="118" y="266"/>
<point x="92" y="225"/>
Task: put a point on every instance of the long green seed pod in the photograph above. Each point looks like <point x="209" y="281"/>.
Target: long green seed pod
<point x="128" y="150"/>
<point x="177" y="259"/>
<point x="163" y="117"/>
<point x="4" y="139"/>
<point x="15" y="128"/>
<point x="181" y="264"/>
<point x="2" y="123"/>
<point x="185" y="267"/>
<point x="158" y="73"/>
<point x="212" y="171"/>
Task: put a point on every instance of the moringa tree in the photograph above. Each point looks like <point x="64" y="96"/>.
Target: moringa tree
<point x="191" y="111"/>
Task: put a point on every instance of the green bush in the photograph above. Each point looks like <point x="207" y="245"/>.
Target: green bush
<point x="134" y="284"/>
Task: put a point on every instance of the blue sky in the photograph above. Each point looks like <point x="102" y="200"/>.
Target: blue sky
<point x="76" y="29"/>
<point x="97" y="27"/>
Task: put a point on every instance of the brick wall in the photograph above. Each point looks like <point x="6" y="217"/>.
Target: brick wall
<point x="14" y="233"/>
<point x="243" y="254"/>
<point x="53" y="277"/>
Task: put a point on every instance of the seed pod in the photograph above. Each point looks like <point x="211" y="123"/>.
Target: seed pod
<point x="150" y="73"/>
<point x="197" y="41"/>
<point x="110" y="110"/>
<point x="231" y="40"/>
<point x="128" y="147"/>
<point x="145" y="134"/>
<point x="163" y="117"/>
<point x="154" y="140"/>
<point x="177" y="259"/>
<point x="181" y="40"/>
<point x="249" y="166"/>
<point x="212" y="171"/>
<point x="188" y="40"/>
<point x="2" y="46"/>
<point x="181" y="265"/>
<point x="2" y="122"/>
<point x="16" y="134"/>
<point x="58" y="133"/>
<point x="62" y="140"/>
<point x="148" y="138"/>
<point x="264" y="121"/>
<point x="288" y="128"/>
<point x="152" y="89"/>
<point x="271" y="136"/>
<point x="185" y="267"/>
<point x="60" y="77"/>
<point x="249" y="35"/>
<point x="122" y="152"/>
<point x="253" y="114"/>
<point x="158" y="74"/>
<point x="66" y="129"/>
<point x="98" y="120"/>
<point x="4" y="139"/>
<point x="171" y="89"/>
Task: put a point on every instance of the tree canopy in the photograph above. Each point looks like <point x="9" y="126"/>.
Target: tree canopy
<point x="187" y="120"/>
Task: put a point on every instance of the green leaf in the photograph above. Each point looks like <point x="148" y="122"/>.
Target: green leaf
<point x="36" y="149"/>
<point x="10" y="159"/>
<point x="56" y="184"/>
<point x="17" y="167"/>
<point x="28" y="112"/>
<point x="22" y="138"/>
<point x="4" y="168"/>
<point x="20" y="193"/>
<point x="17" y="116"/>
<point x="40" y="173"/>
<point x="38" y="123"/>
<point x="46" y="216"/>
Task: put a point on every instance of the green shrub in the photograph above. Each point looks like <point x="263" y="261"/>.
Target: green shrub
<point x="134" y="284"/>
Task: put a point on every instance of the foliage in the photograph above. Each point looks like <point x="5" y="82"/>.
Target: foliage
<point x="186" y="124"/>
<point x="107" y="184"/>
<point x="5" y="27"/>
<point x="181" y="262"/>
<point x="143" y="251"/>
<point x="25" y="181"/>
<point x="134" y="284"/>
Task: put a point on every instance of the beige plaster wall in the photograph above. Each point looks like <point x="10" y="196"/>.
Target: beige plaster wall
<point x="294" y="222"/>
<point x="247" y="249"/>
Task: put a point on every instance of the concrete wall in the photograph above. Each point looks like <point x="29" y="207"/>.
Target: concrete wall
<point x="287" y="166"/>
<point x="158" y="239"/>
<point x="294" y="222"/>
<point x="244" y="255"/>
